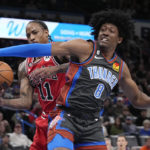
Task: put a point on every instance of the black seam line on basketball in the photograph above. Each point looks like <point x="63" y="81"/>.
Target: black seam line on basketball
<point x="5" y="70"/>
<point x="5" y="78"/>
<point x="1" y="64"/>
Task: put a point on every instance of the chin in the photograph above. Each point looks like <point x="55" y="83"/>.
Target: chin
<point x="103" y="47"/>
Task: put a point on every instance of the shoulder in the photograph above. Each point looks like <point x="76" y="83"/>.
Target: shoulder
<point x="22" y="69"/>
<point x="89" y="43"/>
<point x="11" y="135"/>
<point x="23" y="135"/>
<point x="22" y="66"/>
<point x="79" y="42"/>
<point x="126" y="72"/>
<point x="80" y="48"/>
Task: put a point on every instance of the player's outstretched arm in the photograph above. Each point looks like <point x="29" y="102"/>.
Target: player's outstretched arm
<point x="131" y="90"/>
<point x="26" y="92"/>
<point x="77" y="47"/>
<point x="27" y="50"/>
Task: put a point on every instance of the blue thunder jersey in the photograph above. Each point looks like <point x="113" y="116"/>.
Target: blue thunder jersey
<point x="89" y="83"/>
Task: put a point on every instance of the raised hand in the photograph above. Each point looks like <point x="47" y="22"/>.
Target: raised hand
<point x="39" y="75"/>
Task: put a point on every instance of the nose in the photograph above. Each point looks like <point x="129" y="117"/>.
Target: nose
<point x="105" y="32"/>
<point x="32" y="38"/>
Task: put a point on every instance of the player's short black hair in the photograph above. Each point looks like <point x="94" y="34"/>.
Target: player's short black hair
<point x="43" y="25"/>
<point x="119" y="18"/>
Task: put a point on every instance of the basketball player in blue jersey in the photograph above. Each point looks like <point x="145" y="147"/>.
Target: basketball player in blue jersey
<point x="94" y="71"/>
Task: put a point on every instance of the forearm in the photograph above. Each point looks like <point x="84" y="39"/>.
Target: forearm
<point x="19" y="103"/>
<point x="131" y="90"/>
<point x="53" y="70"/>
<point x="27" y="50"/>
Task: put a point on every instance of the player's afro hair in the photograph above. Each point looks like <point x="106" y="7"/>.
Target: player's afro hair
<point x="117" y="17"/>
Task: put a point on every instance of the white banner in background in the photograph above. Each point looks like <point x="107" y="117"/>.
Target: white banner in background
<point x="15" y="29"/>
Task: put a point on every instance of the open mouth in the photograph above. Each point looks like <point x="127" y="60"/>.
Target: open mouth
<point x="104" y="40"/>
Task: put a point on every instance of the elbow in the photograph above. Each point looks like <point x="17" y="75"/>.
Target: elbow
<point x="137" y="103"/>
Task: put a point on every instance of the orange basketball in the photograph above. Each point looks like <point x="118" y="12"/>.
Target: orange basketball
<point x="6" y="75"/>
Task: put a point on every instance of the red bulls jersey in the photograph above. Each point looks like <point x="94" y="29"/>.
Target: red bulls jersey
<point x="49" y="89"/>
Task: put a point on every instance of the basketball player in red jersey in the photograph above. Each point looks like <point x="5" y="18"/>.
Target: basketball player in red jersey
<point x="47" y="89"/>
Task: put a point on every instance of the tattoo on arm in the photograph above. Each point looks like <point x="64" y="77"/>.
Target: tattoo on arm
<point x="21" y="71"/>
<point x="25" y="87"/>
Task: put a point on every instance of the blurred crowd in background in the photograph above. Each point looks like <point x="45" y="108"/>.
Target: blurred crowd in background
<point x="139" y="9"/>
<point x="119" y="116"/>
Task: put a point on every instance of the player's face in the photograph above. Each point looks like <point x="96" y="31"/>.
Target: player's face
<point x="121" y="143"/>
<point x="108" y="37"/>
<point x="35" y="33"/>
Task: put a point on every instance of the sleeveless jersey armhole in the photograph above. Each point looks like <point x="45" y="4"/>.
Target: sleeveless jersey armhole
<point x="121" y="69"/>
<point x="90" y="57"/>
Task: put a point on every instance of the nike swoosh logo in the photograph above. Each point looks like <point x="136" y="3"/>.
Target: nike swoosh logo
<point x="96" y="57"/>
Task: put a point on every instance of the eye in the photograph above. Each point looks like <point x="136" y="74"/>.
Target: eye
<point x="112" y="30"/>
<point x="102" y="29"/>
<point x="34" y="32"/>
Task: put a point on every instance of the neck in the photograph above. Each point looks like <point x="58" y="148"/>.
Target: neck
<point x="122" y="148"/>
<point x="108" y="54"/>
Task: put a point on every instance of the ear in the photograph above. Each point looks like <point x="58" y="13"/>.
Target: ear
<point x="46" y="32"/>
<point x="120" y="40"/>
